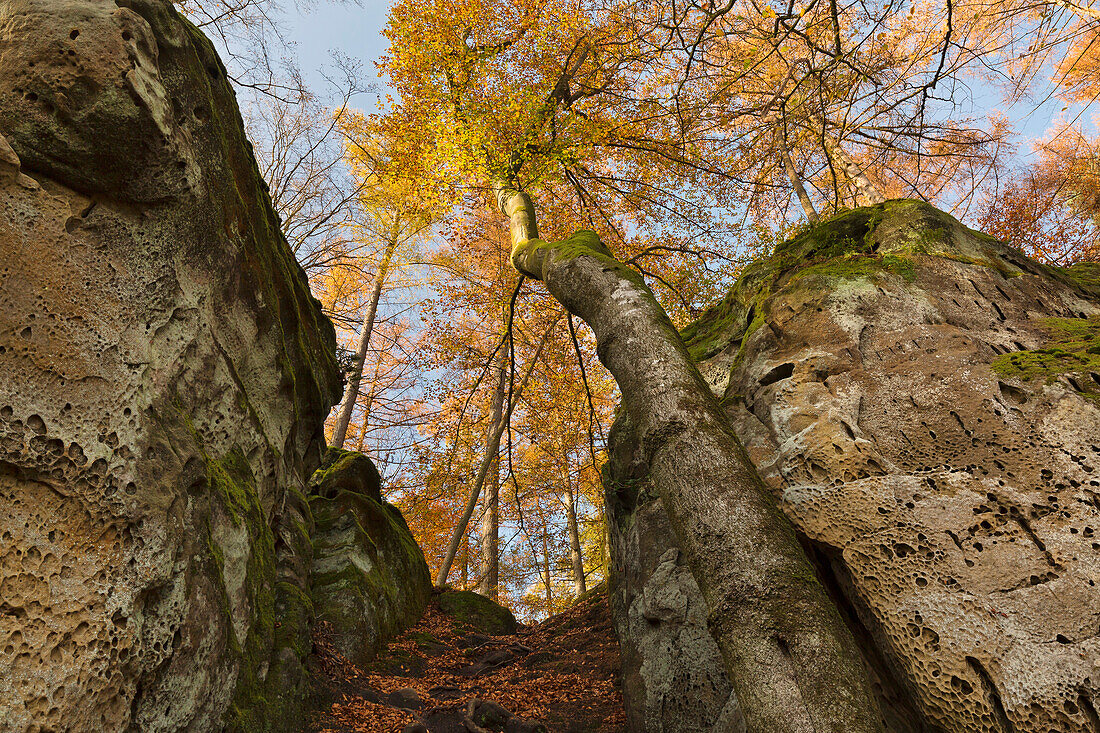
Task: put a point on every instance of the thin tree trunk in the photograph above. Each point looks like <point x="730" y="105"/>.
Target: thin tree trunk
<point x="867" y="193"/>
<point x="465" y="564"/>
<point x="791" y="659"/>
<point x="546" y="574"/>
<point x="492" y="448"/>
<point x="351" y="394"/>
<point x="367" y="408"/>
<point x="796" y="183"/>
<point x="544" y="566"/>
<point x="574" y="536"/>
<point x="490" y="518"/>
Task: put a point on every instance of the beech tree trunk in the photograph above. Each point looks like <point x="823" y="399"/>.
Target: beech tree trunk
<point x="351" y="394"/>
<point x="792" y="661"/>
<point x="490" y="518"/>
<point x="867" y="193"/>
<point x="796" y="183"/>
<point x="576" y="556"/>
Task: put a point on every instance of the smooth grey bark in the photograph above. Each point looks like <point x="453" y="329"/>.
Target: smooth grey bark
<point x="796" y="183"/>
<point x="546" y="573"/>
<point x="490" y="518"/>
<point x="499" y="422"/>
<point x="791" y="659"/>
<point x="576" y="556"/>
<point x="351" y="394"/>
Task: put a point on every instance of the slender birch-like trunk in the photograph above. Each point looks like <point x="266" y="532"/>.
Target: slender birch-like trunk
<point x="492" y="449"/>
<point x="351" y="394"/>
<point x="796" y="183"/>
<point x="575" y="553"/>
<point x="490" y="518"/>
<point x="791" y="659"/>
<point x="867" y="193"/>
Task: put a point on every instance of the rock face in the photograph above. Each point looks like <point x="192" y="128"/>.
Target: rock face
<point x="164" y="376"/>
<point x="924" y="402"/>
<point x="370" y="579"/>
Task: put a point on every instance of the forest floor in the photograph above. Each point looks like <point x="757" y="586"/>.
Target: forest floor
<point x="563" y="673"/>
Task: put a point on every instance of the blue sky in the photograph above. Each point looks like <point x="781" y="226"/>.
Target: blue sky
<point x="354" y="30"/>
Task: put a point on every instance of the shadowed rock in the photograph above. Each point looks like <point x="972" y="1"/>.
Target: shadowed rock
<point x="164" y="376"/>
<point x="370" y="580"/>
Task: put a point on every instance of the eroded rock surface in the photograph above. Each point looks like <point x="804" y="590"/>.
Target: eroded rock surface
<point x="923" y="402"/>
<point x="370" y="580"/>
<point x="164" y="375"/>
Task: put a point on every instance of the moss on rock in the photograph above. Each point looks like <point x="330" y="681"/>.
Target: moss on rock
<point x="1073" y="349"/>
<point x="370" y="580"/>
<point x="870" y="242"/>
<point x="345" y="470"/>
<point x="477" y="612"/>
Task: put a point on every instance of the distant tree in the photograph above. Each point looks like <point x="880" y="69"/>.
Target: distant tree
<point x="1051" y="209"/>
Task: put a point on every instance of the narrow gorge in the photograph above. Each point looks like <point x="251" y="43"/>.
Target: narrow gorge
<point x="181" y="551"/>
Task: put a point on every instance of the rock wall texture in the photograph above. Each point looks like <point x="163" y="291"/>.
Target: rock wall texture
<point x="924" y="402"/>
<point x="370" y="580"/>
<point x="164" y="376"/>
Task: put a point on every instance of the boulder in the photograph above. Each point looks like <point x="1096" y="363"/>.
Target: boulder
<point x="924" y="403"/>
<point x="477" y="612"/>
<point x="370" y="580"/>
<point x="164" y="377"/>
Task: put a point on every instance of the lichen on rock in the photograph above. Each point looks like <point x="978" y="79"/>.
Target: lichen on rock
<point x="929" y="426"/>
<point x="166" y="374"/>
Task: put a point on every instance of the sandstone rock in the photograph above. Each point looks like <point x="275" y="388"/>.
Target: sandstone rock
<point x="477" y="612"/>
<point x="673" y="679"/>
<point x="164" y="376"/>
<point x="370" y="579"/>
<point x="925" y="404"/>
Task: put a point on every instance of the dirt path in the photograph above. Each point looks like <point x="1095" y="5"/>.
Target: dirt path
<point x="562" y="673"/>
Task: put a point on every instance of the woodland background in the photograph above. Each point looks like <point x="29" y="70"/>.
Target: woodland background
<point x="469" y="380"/>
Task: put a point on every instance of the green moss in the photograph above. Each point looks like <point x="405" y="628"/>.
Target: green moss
<point x="854" y="266"/>
<point x="477" y="612"/>
<point x="1073" y="348"/>
<point x="370" y="580"/>
<point x="277" y="611"/>
<point x="344" y="470"/>
<point x="1084" y="276"/>
<point x="868" y="243"/>
<point x="842" y="246"/>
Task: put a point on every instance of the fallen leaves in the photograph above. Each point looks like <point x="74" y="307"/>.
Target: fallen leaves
<point x="562" y="671"/>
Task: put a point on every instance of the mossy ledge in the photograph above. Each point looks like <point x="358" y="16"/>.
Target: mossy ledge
<point x="1073" y="351"/>
<point x="868" y="243"/>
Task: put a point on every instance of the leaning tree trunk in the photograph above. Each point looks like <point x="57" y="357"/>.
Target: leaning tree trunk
<point x="492" y="448"/>
<point x="792" y="172"/>
<point x="796" y="183"/>
<point x="351" y="394"/>
<point x="792" y="661"/>
<point x="867" y="193"/>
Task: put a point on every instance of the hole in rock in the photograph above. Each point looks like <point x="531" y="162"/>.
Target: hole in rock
<point x="781" y="372"/>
